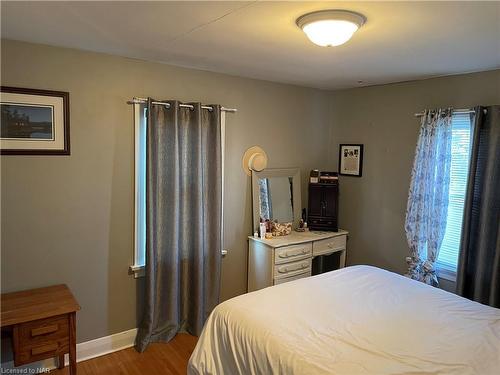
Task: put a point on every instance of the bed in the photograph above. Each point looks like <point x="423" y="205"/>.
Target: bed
<point x="357" y="320"/>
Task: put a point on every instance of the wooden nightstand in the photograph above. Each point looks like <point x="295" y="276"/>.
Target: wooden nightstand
<point x="43" y="324"/>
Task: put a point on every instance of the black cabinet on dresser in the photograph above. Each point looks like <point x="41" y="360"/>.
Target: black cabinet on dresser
<point x="323" y="206"/>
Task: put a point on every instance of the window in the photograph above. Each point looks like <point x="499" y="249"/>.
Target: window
<point x="140" y="112"/>
<point x="460" y="155"/>
<point x="140" y="115"/>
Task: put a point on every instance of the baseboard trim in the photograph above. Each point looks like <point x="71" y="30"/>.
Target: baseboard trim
<point x="85" y="350"/>
<point x="105" y="345"/>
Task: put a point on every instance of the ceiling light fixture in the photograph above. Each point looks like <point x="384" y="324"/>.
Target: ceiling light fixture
<point x="329" y="28"/>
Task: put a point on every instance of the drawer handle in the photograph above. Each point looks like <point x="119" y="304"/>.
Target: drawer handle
<point x="44" y="330"/>
<point x="44" y="349"/>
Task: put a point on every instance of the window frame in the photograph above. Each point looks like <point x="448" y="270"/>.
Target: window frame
<point x="139" y="241"/>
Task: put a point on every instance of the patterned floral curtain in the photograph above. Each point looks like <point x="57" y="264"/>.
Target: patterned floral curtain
<point x="428" y="196"/>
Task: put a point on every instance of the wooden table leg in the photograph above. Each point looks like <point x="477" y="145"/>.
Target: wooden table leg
<point x="342" y="258"/>
<point x="60" y="361"/>
<point x="72" y="344"/>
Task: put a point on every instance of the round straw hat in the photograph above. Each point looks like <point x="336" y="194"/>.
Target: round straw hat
<point x="254" y="159"/>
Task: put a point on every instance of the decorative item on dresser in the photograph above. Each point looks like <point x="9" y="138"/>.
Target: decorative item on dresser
<point x="43" y="324"/>
<point x="323" y="202"/>
<point x="282" y="259"/>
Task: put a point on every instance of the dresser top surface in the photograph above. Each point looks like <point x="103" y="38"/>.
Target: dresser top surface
<point x="28" y="305"/>
<point x="298" y="237"/>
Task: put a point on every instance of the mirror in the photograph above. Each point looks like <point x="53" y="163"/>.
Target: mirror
<point x="276" y="196"/>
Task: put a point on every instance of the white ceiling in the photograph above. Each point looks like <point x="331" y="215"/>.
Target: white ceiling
<point x="401" y="40"/>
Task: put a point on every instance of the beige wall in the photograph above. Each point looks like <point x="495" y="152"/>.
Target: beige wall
<point x="373" y="207"/>
<point x="69" y="219"/>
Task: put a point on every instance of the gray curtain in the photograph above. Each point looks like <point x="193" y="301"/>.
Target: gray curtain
<point x="183" y="220"/>
<point x="478" y="276"/>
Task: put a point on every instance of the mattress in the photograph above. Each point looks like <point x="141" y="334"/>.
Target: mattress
<point x="356" y="320"/>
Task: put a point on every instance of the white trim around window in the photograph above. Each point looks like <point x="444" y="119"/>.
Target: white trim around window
<point x="223" y="154"/>
<point x="139" y="191"/>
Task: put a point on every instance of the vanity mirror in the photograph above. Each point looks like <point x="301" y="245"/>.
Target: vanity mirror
<point x="276" y="196"/>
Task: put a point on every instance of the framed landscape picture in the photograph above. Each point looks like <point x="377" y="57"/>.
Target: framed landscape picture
<point x="34" y="122"/>
<point x="351" y="160"/>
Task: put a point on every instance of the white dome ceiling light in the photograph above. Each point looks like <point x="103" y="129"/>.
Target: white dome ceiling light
<point x="329" y="28"/>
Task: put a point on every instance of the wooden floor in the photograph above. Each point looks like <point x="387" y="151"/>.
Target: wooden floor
<point x="158" y="359"/>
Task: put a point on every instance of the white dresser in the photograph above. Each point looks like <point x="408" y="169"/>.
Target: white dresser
<point x="281" y="259"/>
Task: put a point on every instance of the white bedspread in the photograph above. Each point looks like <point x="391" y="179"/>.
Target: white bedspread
<point x="357" y="320"/>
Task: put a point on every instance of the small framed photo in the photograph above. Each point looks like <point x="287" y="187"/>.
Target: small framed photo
<point x="351" y="160"/>
<point x="34" y="122"/>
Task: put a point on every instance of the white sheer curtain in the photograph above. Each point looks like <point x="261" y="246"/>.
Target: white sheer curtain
<point x="428" y="196"/>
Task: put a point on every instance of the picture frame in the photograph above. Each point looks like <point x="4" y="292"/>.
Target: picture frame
<point x="351" y="160"/>
<point x="34" y="122"/>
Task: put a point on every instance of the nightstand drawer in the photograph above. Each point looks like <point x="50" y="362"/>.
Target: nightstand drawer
<point x="39" y="339"/>
<point x="329" y="245"/>
<point x="43" y="330"/>
<point x="31" y="353"/>
<point x="292" y="253"/>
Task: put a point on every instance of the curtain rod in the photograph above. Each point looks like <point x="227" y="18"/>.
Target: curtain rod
<point x="143" y="100"/>
<point x="459" y="110"/>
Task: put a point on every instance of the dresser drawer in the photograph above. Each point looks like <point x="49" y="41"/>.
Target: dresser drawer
<point x="40" y="339"/>
<point x="319" y="223"/>
<point x="329" y="245"/>
<point x="292" y="253"/>
<point x="292" y="269"/>
<point x="292" y="278"/>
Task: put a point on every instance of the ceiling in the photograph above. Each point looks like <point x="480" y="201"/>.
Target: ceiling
<point x="401" y="41"/>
